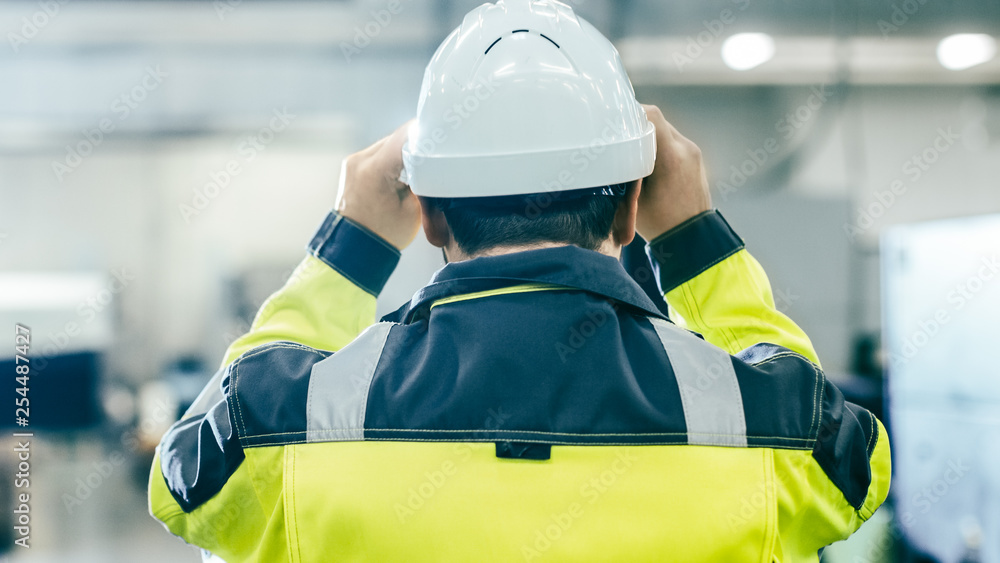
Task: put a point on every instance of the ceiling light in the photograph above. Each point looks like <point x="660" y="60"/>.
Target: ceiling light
<point x="964" y="50"/>
<point x="744" y="51"/>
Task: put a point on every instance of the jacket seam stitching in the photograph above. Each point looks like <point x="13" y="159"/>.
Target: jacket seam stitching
<point x="236" y="368"/>
<point x="291" y="495"/>
<point x="368" y="384"/>
<point x="700" y="317"/>
<point x="346" y="276"/>
<point x="783" y="354"/>
<point x="816" y="418"/>
<point x="708" y="266"/>
<point x="872" y="439"/>
<point x="241" y="426"/>
<point x="820" y="384"/>
<point x="540" y="432"/>
<point x="170" y="515"/>
<point x="767" y="546"/>
<point x="803" y="448"/>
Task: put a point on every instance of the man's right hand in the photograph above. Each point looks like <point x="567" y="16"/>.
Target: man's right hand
<point x="372" y="195"/>
<point x="678" y="187"/>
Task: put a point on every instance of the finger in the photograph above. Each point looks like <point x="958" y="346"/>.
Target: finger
<point x="398" y="138"/>
<point x="392" y="141"/>
<point x="392" y="146"/>
<point x="663" y="127"/>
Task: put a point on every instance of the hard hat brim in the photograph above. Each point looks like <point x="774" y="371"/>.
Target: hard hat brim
<point x="600" y="163"/>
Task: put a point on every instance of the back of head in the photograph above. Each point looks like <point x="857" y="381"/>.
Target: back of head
<point x="582" y="218"/>
<point x="527" y="128"/>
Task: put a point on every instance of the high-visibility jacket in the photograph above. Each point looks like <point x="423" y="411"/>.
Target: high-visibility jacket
<point x="528" y="406"/>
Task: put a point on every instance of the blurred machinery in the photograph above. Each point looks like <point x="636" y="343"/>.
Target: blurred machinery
<point x="70" y="317"/>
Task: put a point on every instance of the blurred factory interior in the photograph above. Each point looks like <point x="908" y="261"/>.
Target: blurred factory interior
<point x="163" y="164"/>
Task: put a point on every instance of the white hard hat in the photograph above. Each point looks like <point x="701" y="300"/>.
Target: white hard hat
<point x="525" y="97"/>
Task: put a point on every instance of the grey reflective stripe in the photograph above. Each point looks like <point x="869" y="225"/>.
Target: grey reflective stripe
<point x="338" y="388"/>
<point x="209" y="396"/>
<point x="710" y="392"/>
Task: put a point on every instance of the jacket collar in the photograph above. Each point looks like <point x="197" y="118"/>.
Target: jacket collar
<point x="569" y="266"/>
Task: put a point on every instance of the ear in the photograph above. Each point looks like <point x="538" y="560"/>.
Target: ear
<point x="435" y="225"/>
<point x="623" y="227"/>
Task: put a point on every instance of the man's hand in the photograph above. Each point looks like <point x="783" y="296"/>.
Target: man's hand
<point x="371" y="194"/>
<point x="678" y="187"/>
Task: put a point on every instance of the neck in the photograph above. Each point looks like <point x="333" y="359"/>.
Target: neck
<point x="453" y="253"/>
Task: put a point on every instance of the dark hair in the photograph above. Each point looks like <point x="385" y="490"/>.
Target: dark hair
<point x="478" y="224"/>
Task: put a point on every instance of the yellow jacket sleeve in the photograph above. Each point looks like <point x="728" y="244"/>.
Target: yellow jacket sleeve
<point x="330" y="297"/>
<point x="717" y="289"/>
<point x="204" y="486"/>
<point x="714" y="287"/>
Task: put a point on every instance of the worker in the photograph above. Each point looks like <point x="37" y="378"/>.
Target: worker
<point x="530" y="403"/>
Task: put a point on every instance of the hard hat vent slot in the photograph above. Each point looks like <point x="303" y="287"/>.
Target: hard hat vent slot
<point x="546" y="37"/>
<point x="492" y="44"/>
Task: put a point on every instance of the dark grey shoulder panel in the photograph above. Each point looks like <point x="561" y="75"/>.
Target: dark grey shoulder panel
<point x="199" y="453"/>
<point x="260" y="396"/>
<point x="846" y="439"/>
<point x="270" y="389"/>
<point x="789" y="399"/>
<point x="782" y="395"/>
